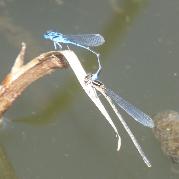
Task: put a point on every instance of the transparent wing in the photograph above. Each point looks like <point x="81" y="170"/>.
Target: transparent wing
<point x="88" y="40"/>
<point x="134" y="112"/>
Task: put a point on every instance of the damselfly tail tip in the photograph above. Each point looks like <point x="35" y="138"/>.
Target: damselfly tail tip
<point x="118" y="142"/>
<point x="148" y="164"/>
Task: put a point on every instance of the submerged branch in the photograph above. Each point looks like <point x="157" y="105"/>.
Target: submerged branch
<point x="21" y="76"/>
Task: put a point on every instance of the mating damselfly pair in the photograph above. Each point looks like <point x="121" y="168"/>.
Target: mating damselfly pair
<point x="92" y="40"/>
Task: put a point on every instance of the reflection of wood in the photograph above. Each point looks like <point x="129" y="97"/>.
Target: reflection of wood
<point x="22" y="75"/>
<point x="167" y="131"/>
<point x="6" y="169"/>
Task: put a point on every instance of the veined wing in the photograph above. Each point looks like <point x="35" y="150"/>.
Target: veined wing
<point x="88" y="40"/>
<point x="130" y="109"/>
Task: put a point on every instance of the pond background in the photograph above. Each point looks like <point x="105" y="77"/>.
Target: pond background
<point x="53" y="130"/>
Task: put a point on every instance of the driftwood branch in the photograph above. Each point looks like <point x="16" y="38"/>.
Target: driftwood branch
<point x="21" y="76"/>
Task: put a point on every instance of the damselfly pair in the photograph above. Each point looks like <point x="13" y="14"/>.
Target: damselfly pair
<point x="91" y="40"/>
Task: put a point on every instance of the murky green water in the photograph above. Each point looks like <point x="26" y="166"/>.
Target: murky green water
<point x="53" y="129"/>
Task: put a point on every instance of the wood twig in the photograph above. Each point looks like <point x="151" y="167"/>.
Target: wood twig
<point x="22" y="75"/>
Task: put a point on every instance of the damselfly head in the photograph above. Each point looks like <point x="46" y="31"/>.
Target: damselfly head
<point x="50" y="34"/>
